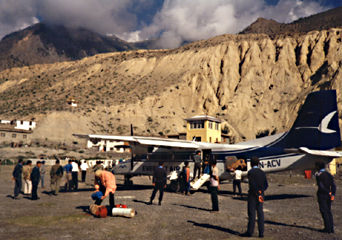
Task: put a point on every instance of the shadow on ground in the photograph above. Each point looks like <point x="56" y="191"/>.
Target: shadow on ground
<point x="206" y="225"/>
<point x="193" y="207"/>
<point x="291" y="225"/>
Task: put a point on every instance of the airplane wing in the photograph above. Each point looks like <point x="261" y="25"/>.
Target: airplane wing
<point x="151" y="141"/>
<point x="323" y="153"/>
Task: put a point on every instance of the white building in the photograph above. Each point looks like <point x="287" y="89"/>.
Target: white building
<point x="24" y="125"/>
<point x="106" y="146"/>
<point x="5" y="122"/>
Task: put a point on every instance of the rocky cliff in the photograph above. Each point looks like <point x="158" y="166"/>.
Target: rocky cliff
<point x="254" y="83"/>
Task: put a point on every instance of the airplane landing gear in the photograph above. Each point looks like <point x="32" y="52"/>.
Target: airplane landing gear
<point x="128" y="181"/>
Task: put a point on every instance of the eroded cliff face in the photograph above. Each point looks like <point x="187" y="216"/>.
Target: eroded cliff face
<point x="255" y="84"/>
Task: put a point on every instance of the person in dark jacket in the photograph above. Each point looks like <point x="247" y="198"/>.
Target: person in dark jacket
<point x="159" y="182"/>
<point x="17" y="177"/>
<point x="325" y="195"/>
<point x="197" y="165"/>
<point x="56" y="174"/>
<point x="35" y="178"/>
<point x="257" y="186"/>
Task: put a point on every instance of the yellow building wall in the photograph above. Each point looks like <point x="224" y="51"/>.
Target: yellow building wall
<point x="205" y="133"/>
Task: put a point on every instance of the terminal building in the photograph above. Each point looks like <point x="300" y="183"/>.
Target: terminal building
<point x="203" y="128"/>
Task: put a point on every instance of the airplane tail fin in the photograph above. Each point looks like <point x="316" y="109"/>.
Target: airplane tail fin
<point x="316" y="126"/>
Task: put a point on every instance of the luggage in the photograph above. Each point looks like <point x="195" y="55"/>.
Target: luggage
<point x="98" y="211"/>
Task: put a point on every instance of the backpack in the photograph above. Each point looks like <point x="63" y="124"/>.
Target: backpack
<point x="59" y="171"/>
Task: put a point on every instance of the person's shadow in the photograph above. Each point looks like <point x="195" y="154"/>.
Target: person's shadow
<point x="192" y="207"/>
<point x="207" y="225"/>
<point x="139" y="201"/>
<point x="291" y="225"/>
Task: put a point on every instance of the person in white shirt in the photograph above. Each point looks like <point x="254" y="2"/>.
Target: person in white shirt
<point x="84" y="167"/>
<point x="214" y="186"/>
<point x="74" y="174"/>
<point x="237" y="181"/>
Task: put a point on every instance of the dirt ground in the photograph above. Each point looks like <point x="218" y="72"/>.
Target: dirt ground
<point x="291" y="212"/>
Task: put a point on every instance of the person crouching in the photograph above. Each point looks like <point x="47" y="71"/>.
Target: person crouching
<point x="109" y="182"/>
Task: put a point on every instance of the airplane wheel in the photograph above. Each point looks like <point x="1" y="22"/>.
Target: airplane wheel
<point x="174" y="186"/>
<point x="128" y="181"/>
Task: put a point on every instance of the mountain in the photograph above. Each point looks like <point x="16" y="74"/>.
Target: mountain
<point x="254" y="83"/>
<point x="321" y="21"/>
<point x="43" y="43"/>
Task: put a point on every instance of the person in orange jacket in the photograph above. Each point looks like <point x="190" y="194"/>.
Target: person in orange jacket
<point x="186" y="179"/>
<point x="108" y="180"/>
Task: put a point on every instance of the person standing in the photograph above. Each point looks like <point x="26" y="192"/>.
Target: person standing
<point x="42" y="173"/>
<point x="84" y="167"/>
<point x="214" y="186"/>
<point x="325" y="196"/>
<point x="197" y="164"/>
<point x="35" y="178"/>
<point x="257" y="182"/>
<point x="27" y="168"/>
<point x="17" y="178"/>
<point x="67" y="169"/>
<point x="237" y="180"/>
<point x="108" y="180"/>
<point x="185" y="179"/>
<point x="56" y="174"/>
<point x="98" y="166"/>
<point x="74" y="174"/>
<point x="159" y="182"/>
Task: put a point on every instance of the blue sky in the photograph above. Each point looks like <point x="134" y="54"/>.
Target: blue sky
<point x="174" y="21"/>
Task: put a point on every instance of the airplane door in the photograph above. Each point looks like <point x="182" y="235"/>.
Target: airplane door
<point x="207" y="155"/>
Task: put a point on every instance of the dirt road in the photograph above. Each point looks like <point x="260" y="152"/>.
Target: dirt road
<point x="291" y="212"/>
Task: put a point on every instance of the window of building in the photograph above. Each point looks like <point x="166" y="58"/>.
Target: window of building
<point x="198" y="139"/>
<point x="216" y="126"/>
<point x="199" y="124"/>
<point x="210" y="139"/>
<point x="211" y="125"/>
<point x="22" y="122"/>
<point x="24" y="136"/>
<point x="3" y="134"/>
<point x="14" y="135"/>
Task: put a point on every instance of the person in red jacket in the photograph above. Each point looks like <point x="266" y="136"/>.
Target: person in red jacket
<point x="108" y="180"/>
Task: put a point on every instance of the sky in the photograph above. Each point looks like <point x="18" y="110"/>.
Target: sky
<point x="171" y="21"/>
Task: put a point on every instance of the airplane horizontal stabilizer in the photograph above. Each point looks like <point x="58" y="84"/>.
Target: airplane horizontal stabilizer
<point x="323" y="153"/>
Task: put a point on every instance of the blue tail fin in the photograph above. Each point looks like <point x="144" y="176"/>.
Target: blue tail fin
<point x="316" y="126"/>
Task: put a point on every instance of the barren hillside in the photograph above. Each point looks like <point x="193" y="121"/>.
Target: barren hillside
<point x="252" y="82"/>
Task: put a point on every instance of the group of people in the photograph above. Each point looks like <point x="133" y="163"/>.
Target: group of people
<point x="32" y="177"/>
<point x="72" y="170"/>
<point x="257" y="183"/>
<point x="105" y="184"/>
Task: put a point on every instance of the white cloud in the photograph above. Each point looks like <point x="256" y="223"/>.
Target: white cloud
<point x="189" y="20"/>
<point x="177" y="21"/>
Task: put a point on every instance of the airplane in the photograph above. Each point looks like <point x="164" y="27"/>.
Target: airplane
<point x="312" y="138"/>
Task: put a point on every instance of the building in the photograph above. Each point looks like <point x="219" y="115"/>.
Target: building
<point x="16" y="131"/>
<point x="24" y="125"/>
<point x="203" y="128"/>
<point x="181" y="136"/>
<point x="12" y="135"/>
<point x="107" y="145"/>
